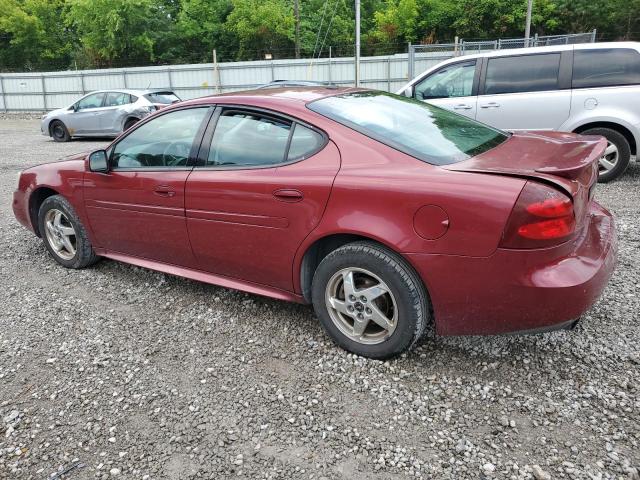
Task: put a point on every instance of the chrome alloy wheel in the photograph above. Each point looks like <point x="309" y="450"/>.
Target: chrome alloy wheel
<point x="609" y="160"/>
<point x="361" y="305"/>
<point x="60" y="234"/>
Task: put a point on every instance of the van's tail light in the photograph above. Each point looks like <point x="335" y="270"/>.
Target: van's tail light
<point x="542" y="217"/>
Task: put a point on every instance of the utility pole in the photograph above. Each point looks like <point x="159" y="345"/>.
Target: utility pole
<point x="357" y="43"/>
<point x="527" y="28"/>
<point x="296" y="14"/>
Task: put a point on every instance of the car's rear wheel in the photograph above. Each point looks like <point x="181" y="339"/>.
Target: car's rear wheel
<point x="369" y="300"/>
<point x="63" y="234"/>
<point x="616" y="156"/>
<point x="59" y="131"/>
<point x="130" y="123"/>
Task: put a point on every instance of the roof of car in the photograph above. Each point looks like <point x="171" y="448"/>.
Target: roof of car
<point x="134" y="91"/>
<point x="553" y="48"/>
<point x="281" y="94"/>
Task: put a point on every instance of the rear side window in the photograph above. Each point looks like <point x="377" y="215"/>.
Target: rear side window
<point x="526" y="73"/>
<point x="166" y="98"/>
<point x="304" y="143"/>
<point x="248" y="140"/>
<point x="115" y="99"/>
<point x="605" y="67"/>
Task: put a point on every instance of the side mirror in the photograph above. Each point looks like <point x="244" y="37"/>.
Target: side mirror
<point x="98" y="161"/>
<point x="408" y="92"/>
<point x="73" y="108"/>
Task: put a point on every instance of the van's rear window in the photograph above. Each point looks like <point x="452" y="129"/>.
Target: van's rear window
<point x="429" y="133"/>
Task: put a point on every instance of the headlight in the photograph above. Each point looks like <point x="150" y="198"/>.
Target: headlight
<point x="44" y="116"/>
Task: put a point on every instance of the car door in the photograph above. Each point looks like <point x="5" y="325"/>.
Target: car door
<point x="526" y="92"/>
<point x="113" y="114"/>
<point x="85" y="118"/>
<point x="137" y="208"/>
<point x="453" y="87"/>
<point x="261" y="186"/>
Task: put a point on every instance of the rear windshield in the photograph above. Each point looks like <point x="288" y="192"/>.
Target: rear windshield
<point x="428" y="133"/>
<point x="162" y="97"/>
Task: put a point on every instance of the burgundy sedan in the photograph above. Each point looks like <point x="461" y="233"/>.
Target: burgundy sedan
<point x="386" y="213"/>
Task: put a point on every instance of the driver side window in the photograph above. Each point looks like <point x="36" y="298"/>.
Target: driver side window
<point x="91" y="101"/>
<point x="164" y="141"/>
<point x="451" y="81"/>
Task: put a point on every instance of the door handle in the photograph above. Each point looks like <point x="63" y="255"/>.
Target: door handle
<point x="462" y="106"/>
<point x="164" y="191"/>
<point x="288" y="195"/>
<point x="490" y="105"/>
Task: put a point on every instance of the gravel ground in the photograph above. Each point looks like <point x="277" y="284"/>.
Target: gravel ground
<point x="118" y="371"/>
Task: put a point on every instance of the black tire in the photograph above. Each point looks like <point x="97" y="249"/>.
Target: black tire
<point x="624" y="152"/>
<point x="130" y="123"/>
<point x="413" y="312"/>
<point x="59" y="131"/>
<point x="84" y="254"/>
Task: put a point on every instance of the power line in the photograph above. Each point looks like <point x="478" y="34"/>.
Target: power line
<point x="335" y="9"/>
<point x="324" y="8"/>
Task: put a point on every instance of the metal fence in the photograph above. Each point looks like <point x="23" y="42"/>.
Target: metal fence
<point x="49" y="90"/>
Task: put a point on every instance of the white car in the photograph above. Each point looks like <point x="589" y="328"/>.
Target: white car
<point x="105" y="113"/>
<point x="592" y="89"/>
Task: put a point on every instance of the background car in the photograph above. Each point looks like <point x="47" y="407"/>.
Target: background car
<point x="105" y="113"/>
<point x="593" y="89"/>
<point x="385" y="213"/>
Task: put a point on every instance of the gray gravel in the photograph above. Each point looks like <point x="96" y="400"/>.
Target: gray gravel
<point x="120" y="372"/>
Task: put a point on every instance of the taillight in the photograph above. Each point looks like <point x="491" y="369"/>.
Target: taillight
<point x="542" y="217"/>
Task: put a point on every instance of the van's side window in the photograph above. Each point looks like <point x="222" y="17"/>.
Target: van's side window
<point x="605" y="67"/>
<point x="525" y="73"/>
<point x="450" y="81"/>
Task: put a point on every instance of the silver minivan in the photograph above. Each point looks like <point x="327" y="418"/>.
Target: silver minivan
<point x="593" y="89"/>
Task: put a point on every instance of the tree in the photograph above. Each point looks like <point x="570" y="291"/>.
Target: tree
<point x="397" y="23"/>
<point x="198" y="29"/>
<point x="261" y="26"/>
<point x="31" y="34"/>
<point x="114" y="31"/>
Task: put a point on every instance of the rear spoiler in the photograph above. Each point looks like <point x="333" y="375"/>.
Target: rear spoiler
<point x="573" y="172"/>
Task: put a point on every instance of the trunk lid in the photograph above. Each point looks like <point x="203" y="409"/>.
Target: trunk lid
<point x="565" y="160"/>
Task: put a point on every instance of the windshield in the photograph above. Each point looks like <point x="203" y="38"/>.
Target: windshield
<point x="429" y="133"/>
<point x="162" y="97"/>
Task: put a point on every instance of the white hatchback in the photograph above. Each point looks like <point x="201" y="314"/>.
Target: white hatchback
<point x="592" y="89"/>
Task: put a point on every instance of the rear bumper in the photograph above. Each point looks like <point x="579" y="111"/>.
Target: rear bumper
<point x="521" y="290"/>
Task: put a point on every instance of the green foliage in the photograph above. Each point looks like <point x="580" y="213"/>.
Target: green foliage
<point x="57" y="34"/>
<point x="261" y="25"/>
<point x="112" y="29"/>
<point x="398" y="22"/>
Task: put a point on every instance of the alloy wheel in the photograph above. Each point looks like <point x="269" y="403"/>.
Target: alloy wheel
<point x="609" y="160"/>
<point x="60" y="234"/>
<point x="361" y="306"/>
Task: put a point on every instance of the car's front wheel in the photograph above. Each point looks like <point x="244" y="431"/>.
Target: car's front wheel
<point x="63" y="234"/>
<point x="369" y="300"/>
<point x="59" y="131"/>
